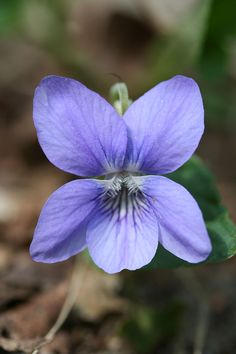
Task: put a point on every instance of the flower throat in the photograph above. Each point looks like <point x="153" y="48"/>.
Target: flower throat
<point x="123" y="194"/>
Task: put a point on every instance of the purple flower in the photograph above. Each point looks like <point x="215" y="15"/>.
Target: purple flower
<point x="121" y="218"/>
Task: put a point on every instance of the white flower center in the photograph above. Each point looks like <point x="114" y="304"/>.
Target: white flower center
<point x="122" y="181"/>
<point x="123" y="194"/>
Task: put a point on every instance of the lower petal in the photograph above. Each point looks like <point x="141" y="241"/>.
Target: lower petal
<point x="182" y="228"/>
<point x="123" y="235"/>
<point x="61" y="229"/>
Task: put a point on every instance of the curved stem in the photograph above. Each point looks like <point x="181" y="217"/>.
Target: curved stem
<point x="66" y="308"/>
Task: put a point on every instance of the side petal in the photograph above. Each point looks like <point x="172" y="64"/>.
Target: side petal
<point x="78" y="130"/>
<point x="165" y="126"/>
<point x="122" y="235"/>
<point x="61" y="229"/>
<point x="182" y="228"/>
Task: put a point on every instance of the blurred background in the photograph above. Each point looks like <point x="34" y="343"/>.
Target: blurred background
<point x="142" y="42"/>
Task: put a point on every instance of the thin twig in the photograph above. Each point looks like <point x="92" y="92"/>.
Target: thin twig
<point x="70" y="300"/>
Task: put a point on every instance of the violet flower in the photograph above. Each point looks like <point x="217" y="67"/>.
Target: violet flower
<point x="121" y="218"/>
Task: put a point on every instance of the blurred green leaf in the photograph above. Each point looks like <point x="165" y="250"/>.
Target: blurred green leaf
<point x="180" y="50"/>
<point x="9" y="11"/>
<point x="222" y="19"/>
<point x="221" y="29"/>
<point x="199" y="181"/>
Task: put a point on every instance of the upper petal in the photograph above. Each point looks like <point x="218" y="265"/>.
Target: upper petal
<point x="182" y="228"/>
<point x="123" y="234"/>
<point x="165" y="126"/>
<point x="61" y="229"/>
<point x="78" y="130"/>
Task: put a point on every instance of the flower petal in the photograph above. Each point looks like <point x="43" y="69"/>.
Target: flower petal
<point x="60" y="232"/>
<point x="123" y="234"/>
<point x="165" y="126"/>
<point x="78" y="130"/>
<point x="182" y="228"/>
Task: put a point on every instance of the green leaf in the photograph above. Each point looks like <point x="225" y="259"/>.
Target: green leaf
<point x="223" y="236"/>
<point x="199" y="181"/>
